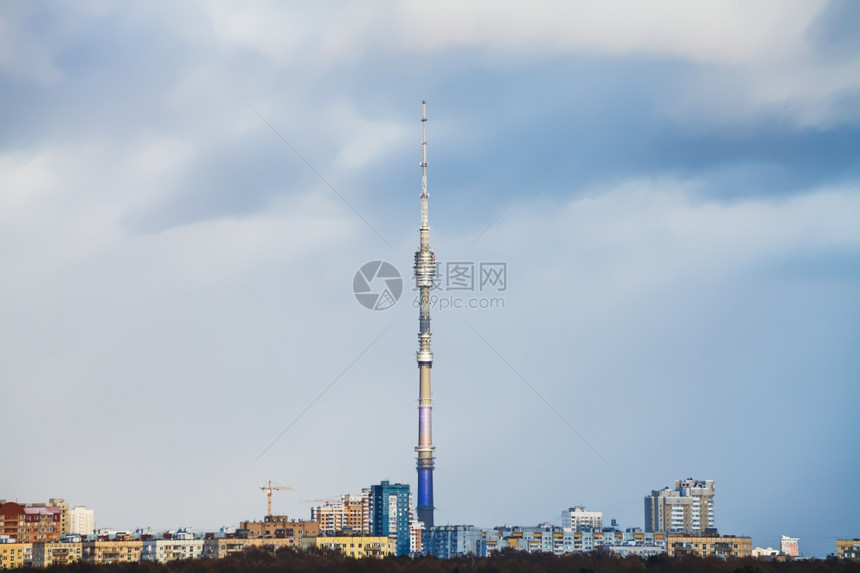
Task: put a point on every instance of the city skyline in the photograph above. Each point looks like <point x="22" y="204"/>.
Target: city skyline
<point x="187" y="192"/>
<point x="384" y="511"/>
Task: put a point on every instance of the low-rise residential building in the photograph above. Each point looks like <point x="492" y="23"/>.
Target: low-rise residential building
<point x="724" y="547"/>
<point x="171" y="548"/>
<point x="559" y="540"/>
<point x="848" y="549"/>
<point x="545" y="538"/>
<point x="218" y="548"/>
<point x="57" y="553"/>
<point x="354" y="546"/>
<point x="456" y="540"/>
<point x="299" y="529"/>
<point x="13" y="554"/>
<point x="642" y="551"/>
<point x="765" y="552"/>
<point x="278" y="527"/>
<point x="446" y="541"/>
<point x="272" y="527"/>
<point x="103" y="550"/>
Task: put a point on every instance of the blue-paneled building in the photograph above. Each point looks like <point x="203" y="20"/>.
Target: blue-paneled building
<point x="390" y="512"/>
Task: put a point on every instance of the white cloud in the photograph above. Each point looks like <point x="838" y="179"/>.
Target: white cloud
<point x="619" y="250"/>
<point x="62" y="208"/>
<point x="760" y="52"/>
<point x="362" y="140"/>
<point x="30" y="40"/>
<point x="651" y="233"/>
<point x="726" y="33"/>
<point x="24" y="57"/>
<point x="729" y="33"/>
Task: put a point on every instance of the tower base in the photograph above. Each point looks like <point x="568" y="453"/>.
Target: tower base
<point x="425" y="514"/>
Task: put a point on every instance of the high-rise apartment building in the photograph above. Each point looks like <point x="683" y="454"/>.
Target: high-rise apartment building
<point x="576" y="517"/>
<point x="788" y="546"/>
<point x="350" y="513"/>
<point x="390" y="510"/>
<point x="688" y="508"/>
<point x="81" y="520"/>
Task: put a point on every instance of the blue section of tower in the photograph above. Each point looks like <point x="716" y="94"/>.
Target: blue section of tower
<point x="425" y="488"/>
<point x="385" y="498"/>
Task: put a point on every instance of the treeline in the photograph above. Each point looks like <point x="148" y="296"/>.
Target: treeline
<point x="291" y="561"/>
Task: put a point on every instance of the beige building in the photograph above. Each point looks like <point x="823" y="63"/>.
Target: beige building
<point x="278" y="527"/>
<point x="350" y="513"/>
<point x="58" y="503"/>
<point x="56" y="553"/>
<point x="416" y="536"/>
<point x="223" y="546"/>
<point x="106" y="551"/>
<point x="81" y="520"/>
<point x="760" y="552"/>
<point x="723" y="547"/>
<point x="15" y="555"/>
<point x="354" y="546"/>
<point x="688" y="508"/>
<point x="848" y="549"/>
<point x="271" y="527"/>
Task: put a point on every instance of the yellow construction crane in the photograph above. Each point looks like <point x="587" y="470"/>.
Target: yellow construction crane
<point x="269" y="488"/>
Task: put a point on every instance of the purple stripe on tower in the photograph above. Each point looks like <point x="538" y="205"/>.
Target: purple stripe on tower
<point x="425" y="430"/>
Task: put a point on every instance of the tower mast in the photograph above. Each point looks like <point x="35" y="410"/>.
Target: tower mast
<point x="425" y="270"/>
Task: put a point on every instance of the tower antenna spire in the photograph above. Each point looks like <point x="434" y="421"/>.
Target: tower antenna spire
<point x="425" y="271"/>
<point x="424" y="195"/>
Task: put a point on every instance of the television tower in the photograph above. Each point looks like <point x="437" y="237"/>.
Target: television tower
<point x="425" y="270"/>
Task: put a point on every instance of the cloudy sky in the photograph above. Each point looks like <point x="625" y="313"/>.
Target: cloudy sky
<point x="187" y="191"/>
